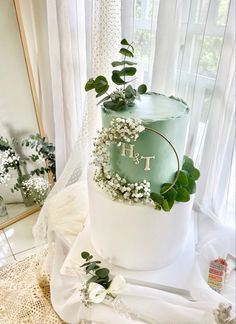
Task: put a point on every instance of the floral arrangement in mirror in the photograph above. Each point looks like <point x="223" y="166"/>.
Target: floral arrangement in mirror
<point x="31" y="183"/>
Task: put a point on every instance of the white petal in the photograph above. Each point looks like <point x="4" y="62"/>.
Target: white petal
<point x="117" y="285"/>
<point x="96" y="292"/>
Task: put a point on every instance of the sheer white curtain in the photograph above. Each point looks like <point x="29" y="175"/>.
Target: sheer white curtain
<point x="187" y="48"/>
<point x="67" y="53"/>
<point x="83" y="38"/>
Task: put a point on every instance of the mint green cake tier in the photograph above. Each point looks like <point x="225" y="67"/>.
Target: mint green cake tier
<point x="167" y="116"/>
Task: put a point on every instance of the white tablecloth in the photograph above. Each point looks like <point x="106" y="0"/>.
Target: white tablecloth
<point x="68" y="211"/>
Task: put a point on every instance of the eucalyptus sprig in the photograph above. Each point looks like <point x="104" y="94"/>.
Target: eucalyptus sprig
<point x="181" y="191"/>
<point x="98" y="275"/>
<point x="125" y="95"/>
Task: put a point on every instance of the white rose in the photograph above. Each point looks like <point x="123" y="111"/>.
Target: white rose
<point x="96" y="292"/>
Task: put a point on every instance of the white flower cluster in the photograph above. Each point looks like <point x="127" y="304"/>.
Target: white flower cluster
<point x="118" y="95"/>
<point x="4" y="175"/>
<point x="8" y="159"/>
<point x="118" y="188"/>
<point x="121" y="129"/>
<point x="37" y="188"/>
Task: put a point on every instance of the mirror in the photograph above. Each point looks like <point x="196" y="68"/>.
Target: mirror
<point x="19" y="111"/>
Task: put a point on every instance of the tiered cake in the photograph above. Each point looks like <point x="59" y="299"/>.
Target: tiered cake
<point x="137" y="236"/>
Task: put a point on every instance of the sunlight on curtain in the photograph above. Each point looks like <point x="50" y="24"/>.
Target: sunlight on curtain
<point x="187" y="48"/>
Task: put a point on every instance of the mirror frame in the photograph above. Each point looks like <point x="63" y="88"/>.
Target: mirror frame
<point x="36" y="104"/>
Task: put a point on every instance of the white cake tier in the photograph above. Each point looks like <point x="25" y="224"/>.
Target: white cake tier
<point x="136" y="237"/>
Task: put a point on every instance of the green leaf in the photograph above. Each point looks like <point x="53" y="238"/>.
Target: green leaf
<point x="103" y="99"/>
<point x="85" y="264"/>
<point x="93" y="279"/>
<point x="101" y="79"/>
<point x="189" y="167"/>
<point x="118" y="63"/>
<point x="89" y="85"/>
<point x="165" y="187"/>
<point x="85" y="255"/>
<point x="101" y="90"/>
<point x="187" y="162"/>
<point x="102" y="273"/>
<point x="165" y="205"/>
<point x="191" y="186"/>
<point x="142" y="89"/>
<point x="100" y="82"/>
<point x="128" y="71"/>
<point x="126" y="52"/>
<point x="91" y="266"/>
<point x="158" y="207"/>
<point x="182" y="195"/>
<point x="117" y="79"/>
<point x="124" y="42"/>
<point x="157" y="198"/>
<point x="182" y="179"/>
<point x="194" y="173"/>
<point x="113" y="104"/>
<point x="130" y="92"/>
<point x="170" y="195"/>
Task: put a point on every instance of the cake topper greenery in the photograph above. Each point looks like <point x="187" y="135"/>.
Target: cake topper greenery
<point x="128" y="130"/>
<point x="125" y="95"/>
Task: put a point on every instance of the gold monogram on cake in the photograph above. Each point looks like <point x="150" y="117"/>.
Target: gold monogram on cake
<point x="129" y="150"/>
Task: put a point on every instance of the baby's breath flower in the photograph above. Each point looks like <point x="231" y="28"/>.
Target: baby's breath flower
<point x="8" y="159"/>
<point x="117" y="187"/>
<point x="37" y="188"/>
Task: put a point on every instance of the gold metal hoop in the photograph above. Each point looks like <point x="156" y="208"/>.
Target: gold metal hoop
<point x="176" y="155"/>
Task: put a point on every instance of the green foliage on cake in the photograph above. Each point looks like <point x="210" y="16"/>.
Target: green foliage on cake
<point x="125" y="169"/>
<point x="182" y="189"/>
<point x="126" y="94"/>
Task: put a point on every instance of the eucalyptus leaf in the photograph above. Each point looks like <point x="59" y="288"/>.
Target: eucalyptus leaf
<point x="142" y="89"/>
<point x="118" y="63"/>
<point x="130" y="92"/>
<point x="102" y="273"/>
<point x="103" y="99"/>
<point x="93" y="279"/>
<point x="101" y="90"/>
<point x="117" y="79"/>
<point x="89" y="85"/>
<point x="101" y="79"/>
<point x="126" y="52"/>
<point x="124" y="42"/>
<point x="130" y="71"/>
<point x="85" y="255"/>
<point x="113" y="105"/>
